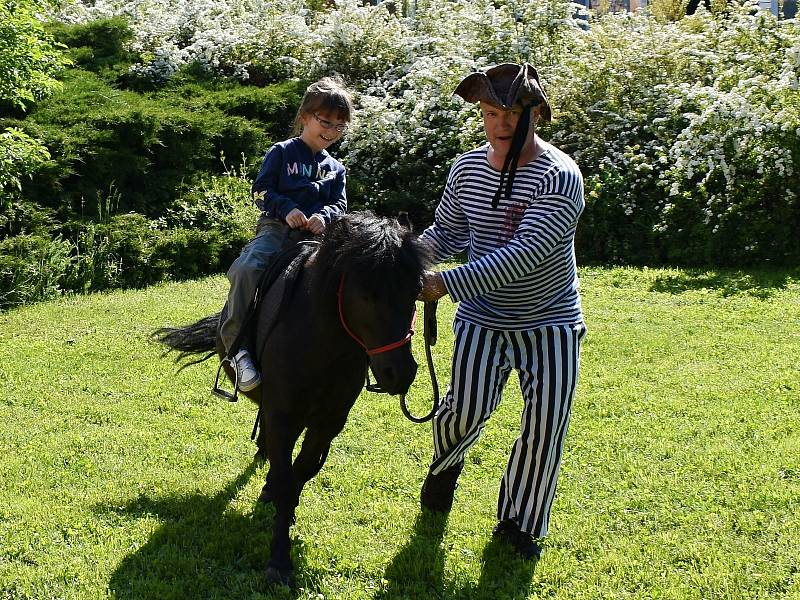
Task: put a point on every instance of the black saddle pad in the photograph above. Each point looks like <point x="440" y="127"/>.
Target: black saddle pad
<point x="275" y="286"/>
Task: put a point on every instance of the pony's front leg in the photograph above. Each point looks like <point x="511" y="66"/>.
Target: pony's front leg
<point x="312" y="455"/>
<point x="282" y="431"/>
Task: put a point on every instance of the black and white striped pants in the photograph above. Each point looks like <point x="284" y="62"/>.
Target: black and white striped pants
<point x="547" y="361"/>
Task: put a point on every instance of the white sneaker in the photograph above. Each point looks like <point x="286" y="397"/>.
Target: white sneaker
<point x="249" y="377"/>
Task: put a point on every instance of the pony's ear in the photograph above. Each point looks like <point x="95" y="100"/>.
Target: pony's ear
<point x="404" y="220"/>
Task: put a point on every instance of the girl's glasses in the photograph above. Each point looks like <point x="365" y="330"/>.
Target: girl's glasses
<point x="325" y="124"/>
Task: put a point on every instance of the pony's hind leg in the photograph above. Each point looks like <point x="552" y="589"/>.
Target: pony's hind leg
<point x="281" y="430"/>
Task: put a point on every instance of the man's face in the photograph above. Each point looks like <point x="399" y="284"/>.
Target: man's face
<point x="499" y="125"/>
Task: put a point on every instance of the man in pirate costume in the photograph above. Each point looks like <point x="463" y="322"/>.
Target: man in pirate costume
<point x="513" y="204"/>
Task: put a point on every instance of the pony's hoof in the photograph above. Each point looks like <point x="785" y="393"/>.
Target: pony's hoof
<point x="278" y="576"/>
<point x="265" y="496"/>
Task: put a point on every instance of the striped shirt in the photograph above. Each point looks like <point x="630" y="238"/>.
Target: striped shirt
<point x="521" y="271"/>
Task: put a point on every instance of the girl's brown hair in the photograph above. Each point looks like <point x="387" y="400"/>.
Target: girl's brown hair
<point x="327" y="95"/>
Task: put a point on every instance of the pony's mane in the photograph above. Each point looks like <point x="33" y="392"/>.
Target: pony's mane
<point x="371" y="247"/>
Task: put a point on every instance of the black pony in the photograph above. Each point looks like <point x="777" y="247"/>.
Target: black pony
<point x="351" y="306"/>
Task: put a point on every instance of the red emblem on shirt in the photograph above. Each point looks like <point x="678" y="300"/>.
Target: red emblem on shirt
<point x="512" y="219"/>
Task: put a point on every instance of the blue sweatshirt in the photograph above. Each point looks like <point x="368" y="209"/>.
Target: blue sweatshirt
<point x="292" y="176"/>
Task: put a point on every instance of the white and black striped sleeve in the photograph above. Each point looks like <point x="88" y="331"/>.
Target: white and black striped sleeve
<point x="449" y="233"/>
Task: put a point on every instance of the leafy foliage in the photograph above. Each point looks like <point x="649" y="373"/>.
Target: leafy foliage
<point x="686" y="131"/>
<point x="147" y="145"/>
<point x="202" y="233"/>
<point x="20" y="154"/>
<point x="31" y="268"/>
<point x="29" y="59"/>
<point x="29" y="62"/>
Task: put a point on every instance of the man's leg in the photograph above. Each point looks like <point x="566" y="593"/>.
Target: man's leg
<point x="480" y="368"/>
<point x="548" y="360"/>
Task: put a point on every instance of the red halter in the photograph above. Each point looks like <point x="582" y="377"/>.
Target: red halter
<point x="381" y="349"/>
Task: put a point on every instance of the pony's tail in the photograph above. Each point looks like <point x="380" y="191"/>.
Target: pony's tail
<point x="191" y="340"/>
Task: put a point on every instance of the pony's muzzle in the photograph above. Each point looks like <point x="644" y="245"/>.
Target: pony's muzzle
<point x="394" y="376"/>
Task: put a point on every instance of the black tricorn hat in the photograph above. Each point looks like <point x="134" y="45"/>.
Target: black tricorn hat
<point x="506" y="85"/>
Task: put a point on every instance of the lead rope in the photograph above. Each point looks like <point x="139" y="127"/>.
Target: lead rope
<point x="430" y="333"/>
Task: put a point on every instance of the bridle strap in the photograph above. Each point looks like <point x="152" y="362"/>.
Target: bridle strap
<point x="380" y="349"/>
<point x="393" y="345"/>
<point x="430" y="332"/>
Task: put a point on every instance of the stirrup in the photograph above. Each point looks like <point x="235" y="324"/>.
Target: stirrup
<point x="225" y="394"/>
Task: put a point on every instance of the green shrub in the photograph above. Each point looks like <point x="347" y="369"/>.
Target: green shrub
<point x="201" y="233"/>
<point x="32" y="268"/>
<point x="94" y="265"/>
<point x="218" y="204"/>
<point x="129" y="251"/>
<point x="188" y="253"/>
<point x="146" y="146"/>
<point x="272" y="107"/>
<point x="21" y="217"/>
<point x="102" y="45"/>
<point x="111" y="254"/>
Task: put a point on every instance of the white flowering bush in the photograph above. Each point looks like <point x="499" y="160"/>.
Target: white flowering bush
<point x="688" y="136"/>
<point x="360" y="41"/>
<point x="733" y="180"/>
<point x="687" y="132"/>
<point x="407" y="133"/>
<point x="616" y="114"/>
<point x="254" y="40"/>
<point x="410" y="127"/>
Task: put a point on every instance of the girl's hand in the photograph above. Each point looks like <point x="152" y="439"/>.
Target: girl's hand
<point x="296" y="219"/>
<point x="315" y="224"/>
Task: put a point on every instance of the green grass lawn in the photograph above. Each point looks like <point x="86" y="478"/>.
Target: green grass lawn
<point x="680" y="479"/>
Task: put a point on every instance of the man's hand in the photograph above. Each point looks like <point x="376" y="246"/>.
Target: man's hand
<point x="315" y="224"/>
<point x="296" y="219"/>
<point x="432" y="286"/>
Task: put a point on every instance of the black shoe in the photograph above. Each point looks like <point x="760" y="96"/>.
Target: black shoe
<point x="437" y="490"/>
<point x="524" y="543"/>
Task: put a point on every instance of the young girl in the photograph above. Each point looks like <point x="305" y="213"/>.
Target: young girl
<point x="299" y="186"/>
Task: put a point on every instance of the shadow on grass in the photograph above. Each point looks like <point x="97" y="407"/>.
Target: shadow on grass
<point x="504" y="575"/>
<point x="201" y="549"/>
<point x="418" y="569"/>
<point x="757" y="283"/>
